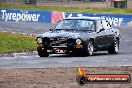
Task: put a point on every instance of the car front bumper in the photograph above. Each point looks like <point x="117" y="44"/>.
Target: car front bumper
<point x="60" y="49"/>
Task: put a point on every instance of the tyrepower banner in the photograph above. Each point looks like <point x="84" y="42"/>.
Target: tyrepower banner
<point x="54" y="16"/>
<point x="25" y="15"/>
<point x="114" y="19"/>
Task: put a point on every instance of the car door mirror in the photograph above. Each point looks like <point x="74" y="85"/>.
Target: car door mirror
<point x="101" y="29"/>
<point x="51" y="29"/>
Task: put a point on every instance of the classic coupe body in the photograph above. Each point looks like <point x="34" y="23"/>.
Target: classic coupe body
<point x="80" y="36"/>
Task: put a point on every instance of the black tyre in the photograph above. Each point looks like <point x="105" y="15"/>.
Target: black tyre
<point x="114" y="49"/>
<point x="90" y="48"/>
<point x="42" y="53"/>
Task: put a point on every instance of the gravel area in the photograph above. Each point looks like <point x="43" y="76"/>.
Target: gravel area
<point x="56" y="77"/>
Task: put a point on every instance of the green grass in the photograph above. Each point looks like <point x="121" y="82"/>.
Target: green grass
<point x="67" y="9"/>
<point x="11" y="42"/>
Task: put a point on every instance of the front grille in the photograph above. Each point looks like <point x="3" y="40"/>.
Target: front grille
<point x="58" y="42"/>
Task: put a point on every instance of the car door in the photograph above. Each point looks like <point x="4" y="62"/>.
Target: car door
<point x="108" y="33"/>
<point x="101" y="36"/>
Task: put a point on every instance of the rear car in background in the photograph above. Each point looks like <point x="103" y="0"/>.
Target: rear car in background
<point x="80" y="36"/>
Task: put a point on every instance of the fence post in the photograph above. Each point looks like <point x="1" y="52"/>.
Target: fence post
<point x="33" y="2"/>
<point x="3" y="1"/>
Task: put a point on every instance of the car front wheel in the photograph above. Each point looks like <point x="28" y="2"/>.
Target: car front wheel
<point x="114" y="49"/>
<point x="90" y="48"/>
<point x="42" y="53"/>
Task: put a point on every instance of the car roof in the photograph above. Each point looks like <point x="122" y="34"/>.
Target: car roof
<point x="88" y="18"/>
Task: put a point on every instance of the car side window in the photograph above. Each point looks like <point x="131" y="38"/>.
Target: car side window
<point x="98" y="25"/>
<point x="87" y="24"/>
<point x="106" y="24"/>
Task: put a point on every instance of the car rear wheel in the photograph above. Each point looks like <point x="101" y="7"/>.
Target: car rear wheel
<point x="114" y="49"/>
<point x="90" y="48"/>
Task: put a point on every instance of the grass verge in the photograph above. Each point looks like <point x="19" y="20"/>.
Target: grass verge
<point x="12" y="42"/>
<point x="67" y="9"/>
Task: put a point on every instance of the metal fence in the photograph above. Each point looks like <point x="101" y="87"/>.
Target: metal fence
<point x="68" y="1"/>
<point x="75" y="3"/>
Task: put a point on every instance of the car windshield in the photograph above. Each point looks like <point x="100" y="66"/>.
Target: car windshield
<point x="76" y="24"/>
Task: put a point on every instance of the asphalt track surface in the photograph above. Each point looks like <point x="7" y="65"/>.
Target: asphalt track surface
<point x="32" y="60"/>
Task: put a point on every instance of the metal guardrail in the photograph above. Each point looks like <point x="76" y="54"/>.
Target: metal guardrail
<point x="22" y="1"/>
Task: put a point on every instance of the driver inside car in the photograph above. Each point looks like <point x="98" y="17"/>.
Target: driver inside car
<point x="72" y="25"/>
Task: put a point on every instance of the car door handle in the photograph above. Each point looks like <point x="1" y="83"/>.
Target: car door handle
<point x="101" y="37"/>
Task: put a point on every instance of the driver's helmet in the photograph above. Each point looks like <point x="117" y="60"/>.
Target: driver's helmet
<point x="72" y="24"/>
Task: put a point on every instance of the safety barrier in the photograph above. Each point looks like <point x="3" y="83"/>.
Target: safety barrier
<point x="54" y="16"/>
<point x="114" y="19"/>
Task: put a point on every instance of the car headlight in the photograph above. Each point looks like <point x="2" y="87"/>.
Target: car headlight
<point x="39" y="40"/>
<point x="78" y="41"/>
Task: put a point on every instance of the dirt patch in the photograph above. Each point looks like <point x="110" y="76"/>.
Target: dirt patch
<point x="56" y="77"/>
